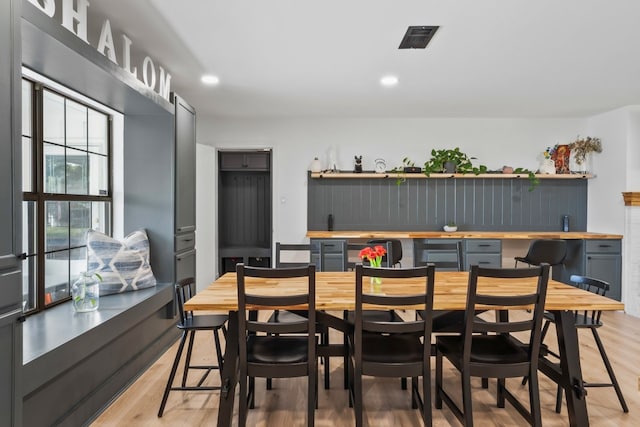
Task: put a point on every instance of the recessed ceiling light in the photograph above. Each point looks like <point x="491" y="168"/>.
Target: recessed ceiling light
<point x="210" y="79"/>
<point x="389" y="81"/>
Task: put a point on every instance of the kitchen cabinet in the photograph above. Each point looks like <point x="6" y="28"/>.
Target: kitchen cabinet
<point x="482" y="252"/>
<point x="185" y="189"/>
<point x="10" y="216"/>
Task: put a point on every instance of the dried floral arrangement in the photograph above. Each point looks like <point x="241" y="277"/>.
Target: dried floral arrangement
<point x="583" y="146"/>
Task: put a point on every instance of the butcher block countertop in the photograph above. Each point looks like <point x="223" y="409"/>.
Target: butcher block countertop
<point x="570" y="235"/>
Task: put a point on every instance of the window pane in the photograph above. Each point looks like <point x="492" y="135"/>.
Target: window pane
<point x="77" y="172"/>
<point x="57" y="226"/>
<point x="80" y="218"/>
<point x="98" y="177"/>
<point x="29" y="271"/>
<point x="98" y="135"/>
<point x="101" y="217"/>
<point x="56" y="277"/>
<point x="54" y="169"/>
<point x="27" y="90"/>
<point x="29" y="277"/>
<point x="53" y="115"/>
<point x="29" y="229"/>
<point x="76" y="125"/>
<point x="27" y="172"/>
<point x="77" y="263"/>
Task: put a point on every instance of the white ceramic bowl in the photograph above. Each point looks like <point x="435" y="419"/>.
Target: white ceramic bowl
<point x="450" y="229"/>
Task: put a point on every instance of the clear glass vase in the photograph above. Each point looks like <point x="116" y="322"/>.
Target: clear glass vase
<point x="85" y="293"/>
<point x="376" y="285"/>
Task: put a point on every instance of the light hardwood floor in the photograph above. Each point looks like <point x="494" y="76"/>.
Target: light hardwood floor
<point x="385" y="404"/>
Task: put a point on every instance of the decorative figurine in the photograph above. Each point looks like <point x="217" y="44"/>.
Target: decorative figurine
<point x="358" y="165"/>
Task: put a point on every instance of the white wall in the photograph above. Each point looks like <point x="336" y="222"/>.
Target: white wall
<point x="205" y="216"/>
<point x="495" y="142"/>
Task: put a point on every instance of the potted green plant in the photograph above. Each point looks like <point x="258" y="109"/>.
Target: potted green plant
<point x="450" y="227"/>
<point x="451" y="161"/>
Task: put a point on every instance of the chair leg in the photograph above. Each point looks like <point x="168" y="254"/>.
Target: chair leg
<point x="172" y="375"/>
<point x="324" y="339"/>
<point x="312" y="392"/>
<point x="438" y="390"/>
<point x="357" y="388"/>
<point x="466" y="400"/>
<point x="534" y="400"/>
<point x="500" y="392"/>
<point x="242" y="403"/>
<point x="252" y="392"/>
<point x="426" y="396"/>
<point x="187" y="361"/>
<point x="414" y="393"/>
<point x="403" y="383"/>
<point x="607" y="364"/>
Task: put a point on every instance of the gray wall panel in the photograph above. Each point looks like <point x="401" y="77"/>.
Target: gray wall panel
<point x="427" y="204"/>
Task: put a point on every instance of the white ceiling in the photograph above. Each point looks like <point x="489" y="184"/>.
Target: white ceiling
<point x="490" y="58"/>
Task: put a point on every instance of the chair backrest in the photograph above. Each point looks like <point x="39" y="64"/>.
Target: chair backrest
<point x="292" y="249"/>
<point x="329" y="254"/>
<point x="357" y="247"/>
<point x="276" y="297"/>
<point x="520" y="296"/>
<point x="549" y="251"/>
<point x="185" y="289"/>
<point x="395" y="250"/>
<point x="392" y="282"/>
<point x="446" y="255"/>
<point x="596" y="286"/>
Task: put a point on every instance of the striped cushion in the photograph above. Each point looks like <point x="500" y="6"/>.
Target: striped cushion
<point x="123" y="266"/>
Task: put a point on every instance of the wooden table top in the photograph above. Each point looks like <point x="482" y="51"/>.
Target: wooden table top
<point x="462" y="234"/>
<point x="335" y="291"/>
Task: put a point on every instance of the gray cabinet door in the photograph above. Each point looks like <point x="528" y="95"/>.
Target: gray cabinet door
<point x="607" y="267"/>
<point x="185" y="185"/>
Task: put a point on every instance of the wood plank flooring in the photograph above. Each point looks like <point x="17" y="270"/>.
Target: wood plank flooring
<point x="385" y="403"/>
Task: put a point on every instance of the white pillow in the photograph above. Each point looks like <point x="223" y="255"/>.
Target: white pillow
<point x="123" y="266"/>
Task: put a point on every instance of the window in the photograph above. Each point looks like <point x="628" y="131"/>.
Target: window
<point x="66" y="170"/>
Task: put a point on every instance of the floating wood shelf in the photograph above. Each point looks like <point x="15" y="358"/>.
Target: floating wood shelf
<point x="396" y="175"/>
<point x="631" y="198"/>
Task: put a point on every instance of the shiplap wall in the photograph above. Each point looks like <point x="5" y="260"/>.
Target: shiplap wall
<point x="479" y="204"/>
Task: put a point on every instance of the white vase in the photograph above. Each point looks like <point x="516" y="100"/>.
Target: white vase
<point x="315" y="166"/>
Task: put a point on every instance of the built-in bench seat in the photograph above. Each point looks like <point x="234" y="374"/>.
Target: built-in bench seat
<point x="75" y="363"/>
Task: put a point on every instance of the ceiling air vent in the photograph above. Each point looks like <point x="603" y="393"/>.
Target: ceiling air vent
<point x="417" y="37"/>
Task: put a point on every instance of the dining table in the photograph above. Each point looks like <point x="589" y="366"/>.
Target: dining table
<point x="335" y="291"/>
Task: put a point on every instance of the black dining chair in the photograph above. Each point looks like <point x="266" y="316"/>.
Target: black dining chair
<point x="276" y="350"/>
<point x="392" y="349"/>
<point x="394" y="254"/>
<point x="549" y="251"/>
<point x="190" y="324"/>
<point x="497" y="353"/>
<point x="298" y="251"/>
<point x="587" y="319"/>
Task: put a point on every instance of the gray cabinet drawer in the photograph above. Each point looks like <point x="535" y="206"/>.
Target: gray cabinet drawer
<point x="603" y="246"/>
<point x="481" y="245"/>
<point x="483" y="260"/>
<point x="186" y="265"/>
<point x="185" y="241"/>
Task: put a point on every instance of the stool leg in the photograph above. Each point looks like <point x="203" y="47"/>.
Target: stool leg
<point x="607" y="364"/>
<point x="187" y="361"/>
<point x="216" y="336"/>
<point x="172" y="375"/>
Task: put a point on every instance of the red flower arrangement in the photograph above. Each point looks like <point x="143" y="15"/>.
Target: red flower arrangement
<point x="373" y="255"/>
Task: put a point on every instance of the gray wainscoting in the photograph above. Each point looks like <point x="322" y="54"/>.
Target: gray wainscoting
<point x="479" y="204"/>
